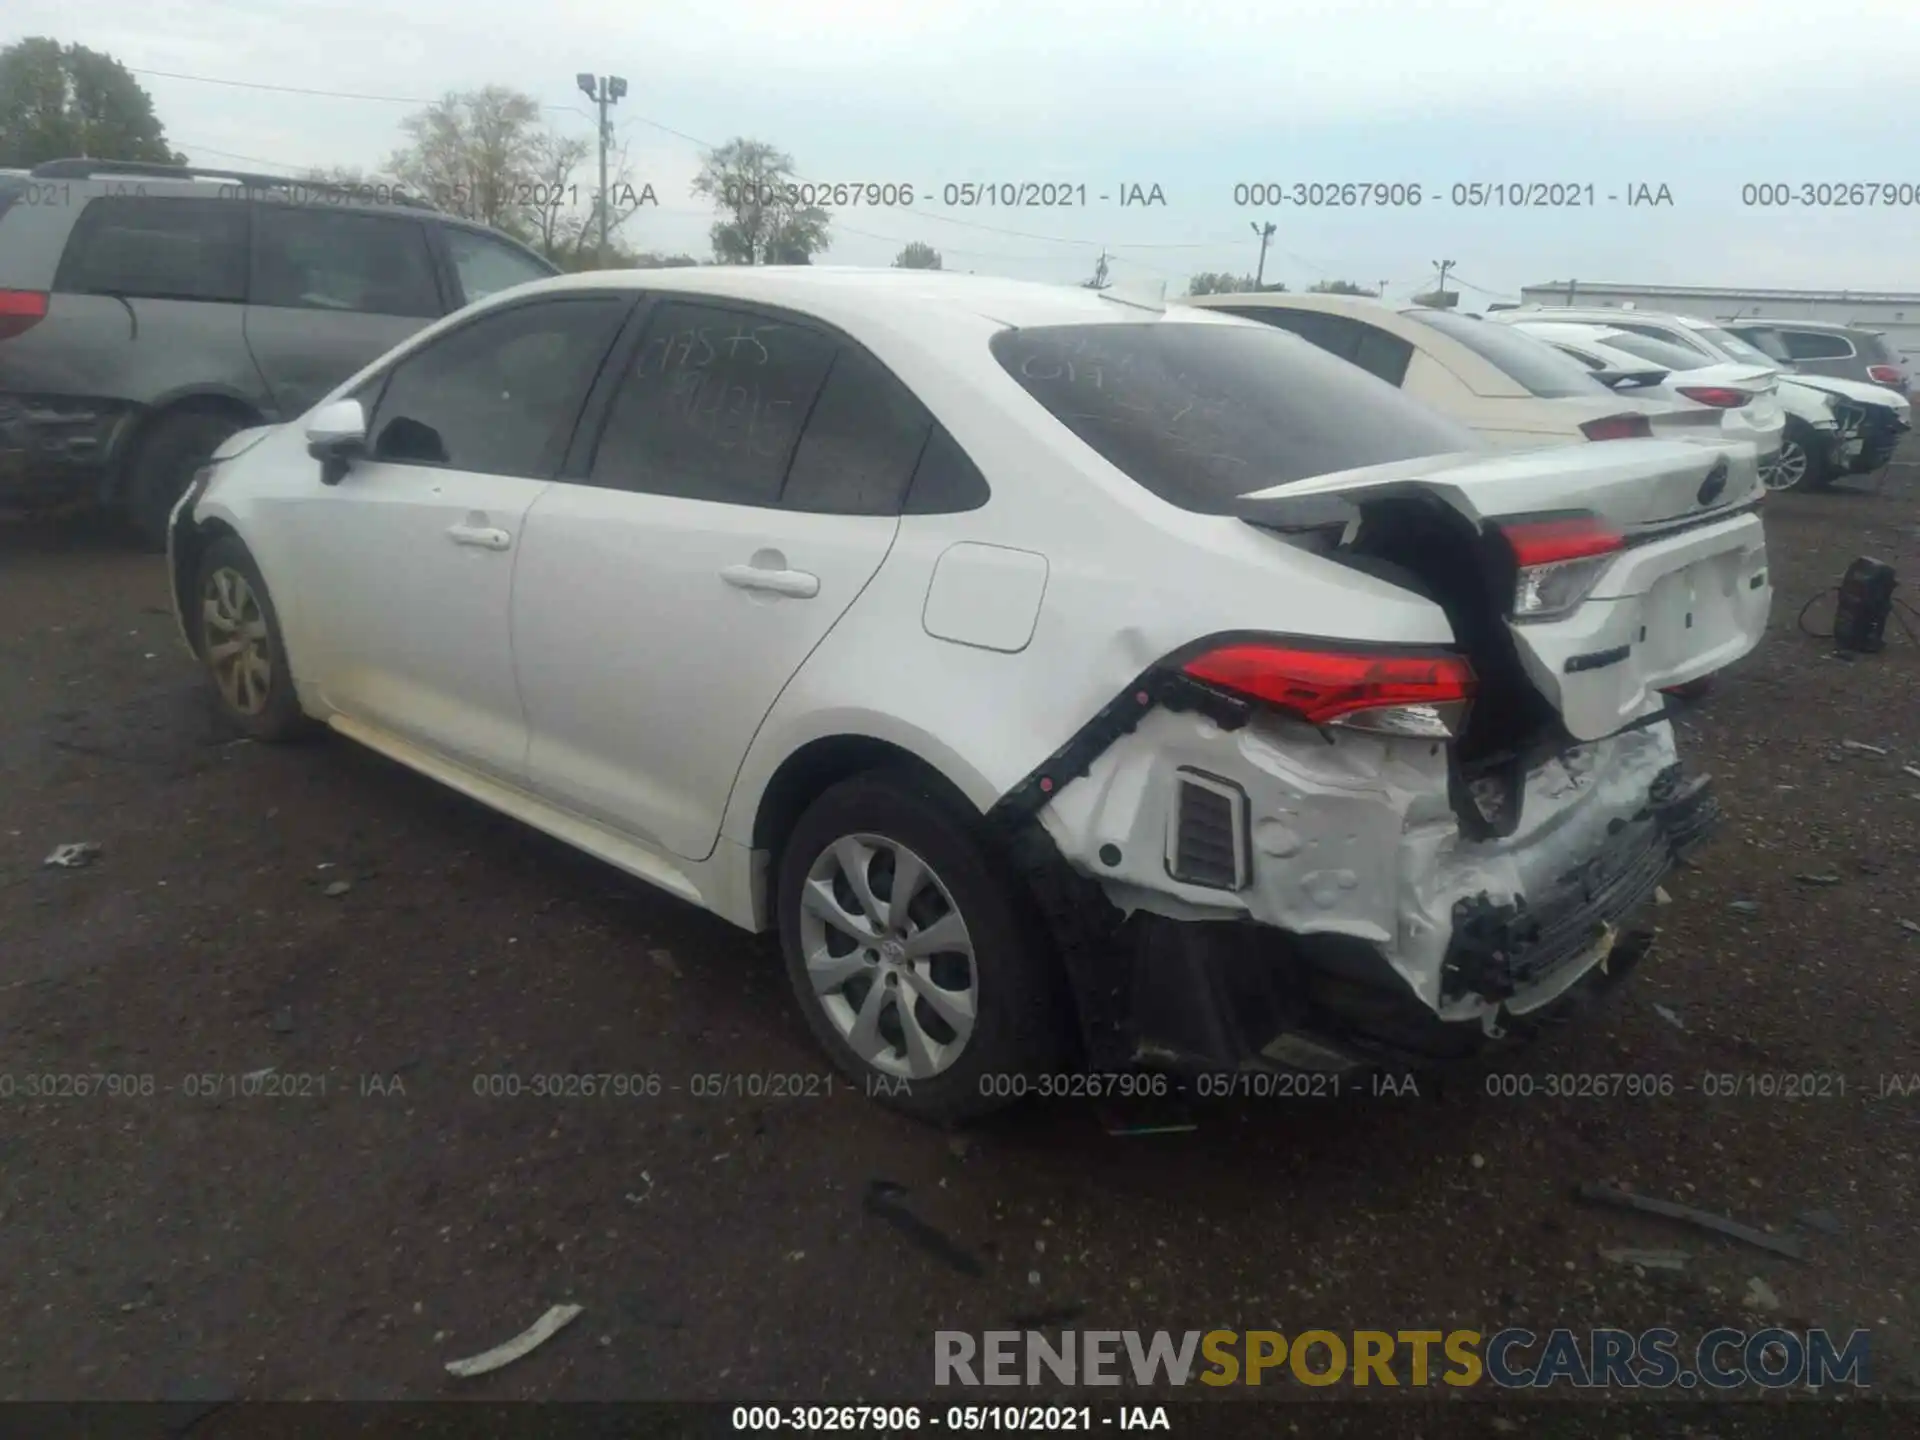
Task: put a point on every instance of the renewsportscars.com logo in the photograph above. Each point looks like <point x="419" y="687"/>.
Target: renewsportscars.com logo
<point x="1512" y="1359"/>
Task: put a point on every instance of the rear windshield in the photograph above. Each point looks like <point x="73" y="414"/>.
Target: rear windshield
<point x="1658" y="351"/>
<point x="1528" y="361"/>
<point x="1201" y="413"/>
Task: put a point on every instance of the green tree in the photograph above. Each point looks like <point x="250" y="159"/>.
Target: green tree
<point x="761" y="223"/>
<point x="1221" y="282"/>
<point x="918" y="255"/>
<point x="1340" y="287"/>
<point x="66" y="101"/>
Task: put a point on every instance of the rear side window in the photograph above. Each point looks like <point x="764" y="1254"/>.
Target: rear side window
<point x="311" y="259"/>
<point x="861" y="443"/>
<point x="1384" y="355"/>
<point x="500" y="396"/>
<point x="713" y="405"/>
<point x="1816" y="345"/>
<point x="946" y="482"/>
<point x="1528" y="361"/>
<point x="1202" y="413"/>
<point x="1368" y="346"/>
<point x="158" y="248"/>
<point x="487" y="266"/>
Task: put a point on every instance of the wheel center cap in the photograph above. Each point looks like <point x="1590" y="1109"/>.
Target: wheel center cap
<point x="893" y="951"/>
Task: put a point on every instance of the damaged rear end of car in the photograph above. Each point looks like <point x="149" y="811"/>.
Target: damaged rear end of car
<point x="1291" y="851"/>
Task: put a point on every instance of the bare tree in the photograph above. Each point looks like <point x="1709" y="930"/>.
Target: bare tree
<point x="475" y="155"/>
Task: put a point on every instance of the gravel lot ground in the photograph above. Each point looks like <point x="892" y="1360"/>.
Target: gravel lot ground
<point x="348" y="1244"/>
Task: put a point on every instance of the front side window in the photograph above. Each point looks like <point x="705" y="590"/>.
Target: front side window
<point x="713" y="404"/>
<point x="1528" y="361"/>
<point x="487" y="266"/>
<point x="1201" y="414"/>
<point x="499" y="396"/>
<point x="306" y="258"/>
<point x="158" y="248"/>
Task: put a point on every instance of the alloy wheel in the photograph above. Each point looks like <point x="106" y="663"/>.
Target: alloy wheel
<point x="889" y="956"/>
<point x="238" y="649"/>
<point x="1789" y="469"/>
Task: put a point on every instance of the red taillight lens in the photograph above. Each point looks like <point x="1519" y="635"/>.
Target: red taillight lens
<point x="1885" y="374"/>
<point x="1618" y="427"/>
<point x="20" y="311"/>
<point x="1397" y="693"/>
<point x="1554" y="538"/>
<point x="1716" y="395"/>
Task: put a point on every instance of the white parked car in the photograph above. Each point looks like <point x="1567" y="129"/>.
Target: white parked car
<point x="1740" y="402"/>
<point x="989" y="641"/>
<point x="1512" y="389"/>
<point x="1869" y="419"/>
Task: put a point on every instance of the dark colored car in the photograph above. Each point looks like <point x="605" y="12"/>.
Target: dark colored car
<point x="1820" y="347"/>
<point x="147" y="312"/>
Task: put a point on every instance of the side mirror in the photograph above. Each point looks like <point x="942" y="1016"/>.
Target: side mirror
<point x="336" y="437"/>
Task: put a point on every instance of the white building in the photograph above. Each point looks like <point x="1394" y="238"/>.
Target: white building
<point x="1897" y="315"/>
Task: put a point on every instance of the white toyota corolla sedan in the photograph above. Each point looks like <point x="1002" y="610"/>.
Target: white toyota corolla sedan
<point x="1070" y="682"/>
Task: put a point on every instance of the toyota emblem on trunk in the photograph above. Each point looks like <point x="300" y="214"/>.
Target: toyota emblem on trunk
<point x="1714" y="484"/>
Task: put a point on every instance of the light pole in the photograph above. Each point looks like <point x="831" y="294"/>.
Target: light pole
<point x="603" y="90"/>
<point x="1265" y="233"/>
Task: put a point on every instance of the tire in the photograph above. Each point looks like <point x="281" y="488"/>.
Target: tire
<point x="163" y="467"/>
<point x="866" y="825"/>
<point x="1803" y="463"/>
<point x="229" y="582"/>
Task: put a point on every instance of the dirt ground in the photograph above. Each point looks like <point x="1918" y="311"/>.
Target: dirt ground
<point x="202" y="1240"/>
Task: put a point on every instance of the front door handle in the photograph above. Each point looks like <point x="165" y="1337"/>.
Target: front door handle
<point x="486" y="537"/>
<point x="796" y="583"/>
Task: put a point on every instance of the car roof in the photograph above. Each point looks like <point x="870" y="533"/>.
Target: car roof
<point x="1834" y="326"/>
<point x="853" y="294"/>
<point x="1311" y="300"/>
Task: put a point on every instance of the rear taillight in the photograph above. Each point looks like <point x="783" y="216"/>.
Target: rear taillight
<point x="1618" y="427"/>
<point x="1392" y="693"/>
<point x="1885" y="374"/>
<point x="1557" y="560"/>
<point x="1718" y="396"/>
<point x="20" y="311"/>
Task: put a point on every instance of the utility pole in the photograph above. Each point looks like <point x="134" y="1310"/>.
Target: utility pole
<point x="1265" y="233"/>
<point x="1443" y="266"/>
<point x="1382" y="292"/>
<point x="603" y="90"/>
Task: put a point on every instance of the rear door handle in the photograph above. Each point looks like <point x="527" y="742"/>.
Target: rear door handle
<point x="486" y="537"/>
<point x="796" y="583"/>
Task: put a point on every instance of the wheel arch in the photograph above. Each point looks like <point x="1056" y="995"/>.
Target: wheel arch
<point x="201" y="400"/>
<point x="764" y="818"/>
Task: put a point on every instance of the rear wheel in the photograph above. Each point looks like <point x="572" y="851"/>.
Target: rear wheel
<point x="910" y="952"/>
<point x="163" y="468"/>
<point x="241" y="648"/>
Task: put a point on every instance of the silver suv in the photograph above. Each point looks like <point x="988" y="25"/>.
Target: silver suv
<point x="147" y="312"/>
<point x="1820" y="347"/>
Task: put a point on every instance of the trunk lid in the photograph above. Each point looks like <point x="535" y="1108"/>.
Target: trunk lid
<point x="1685" y="595"/>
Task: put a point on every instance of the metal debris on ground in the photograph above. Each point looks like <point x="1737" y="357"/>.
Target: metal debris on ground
<point x="1861" y="747"/>
<point x="1913" y="770"/>
<point x="1910" y="926"/>
<point x="883" y="1199"/>
<point x="1660" y="896"/>
<point x="1760" y="1295"/>
<point x="1648" y="1259"/>
<point x="337" y="889"/>
<point x="527" y="1341"/>
<point x="1672" y="1210"/>
<point x="73" y="855"/>
<point x="1745" y="907"/>
<point x="1672" y="1017"/>
<point x="1826" y="879"/>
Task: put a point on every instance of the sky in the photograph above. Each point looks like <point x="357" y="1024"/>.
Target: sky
<point x="1205" y="103"/>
